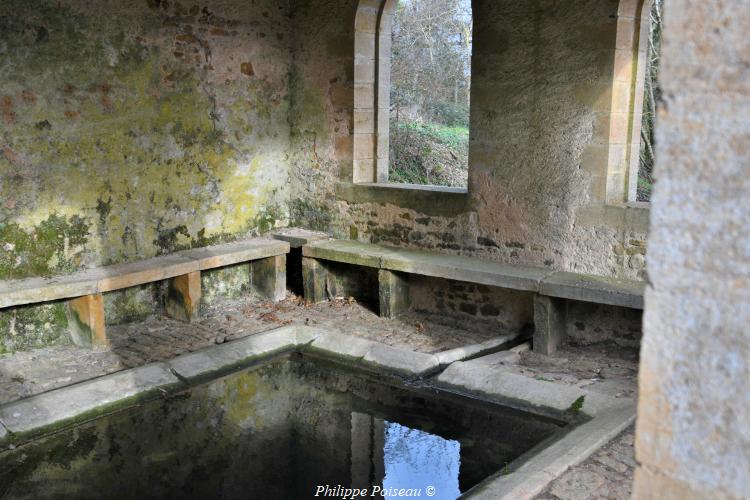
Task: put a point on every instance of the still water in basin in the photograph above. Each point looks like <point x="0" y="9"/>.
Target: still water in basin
<point x="292" y="428"/>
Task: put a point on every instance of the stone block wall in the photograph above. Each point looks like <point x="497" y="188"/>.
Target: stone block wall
<point x="542" y="92"/>
<point x="134" y="128"/>
<point x="692" y="437"/>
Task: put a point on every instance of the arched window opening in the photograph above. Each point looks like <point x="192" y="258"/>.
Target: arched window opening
<point x="651" y="99"/>
<point x="412" y="80"/>
<point x="635" y="99"/>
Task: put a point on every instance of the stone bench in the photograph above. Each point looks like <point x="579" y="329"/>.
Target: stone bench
<point x="551" y="288"/>
<point x="84" y="289"/>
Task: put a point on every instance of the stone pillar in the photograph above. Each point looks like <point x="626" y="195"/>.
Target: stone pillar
<point x="184" y="296"/>
<point x="314" y="277"/>
<point x="549" y="323"/>
<point x="393" y="292"/>
<point x="268" y="277"/>
<point x="86" y="320"/>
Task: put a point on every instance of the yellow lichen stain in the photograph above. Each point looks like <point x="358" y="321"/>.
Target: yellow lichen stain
<point x="158" y="156"/>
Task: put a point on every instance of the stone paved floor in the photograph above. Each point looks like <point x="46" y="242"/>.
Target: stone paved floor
<point x="607" y="474"/>
<point x="23" y="374"/>
<point x="605" y="368"/>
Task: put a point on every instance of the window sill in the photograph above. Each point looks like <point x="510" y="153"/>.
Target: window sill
<point x="429" y="200"/>
<point x="632" y="216"/>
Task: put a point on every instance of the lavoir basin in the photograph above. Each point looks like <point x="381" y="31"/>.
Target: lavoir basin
<point x="295" y="413"/>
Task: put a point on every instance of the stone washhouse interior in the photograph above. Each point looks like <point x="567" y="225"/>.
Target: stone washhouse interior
<point x="215" y="282"/>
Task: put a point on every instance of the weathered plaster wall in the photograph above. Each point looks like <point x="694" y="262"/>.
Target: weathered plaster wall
<point x="134" y="128"/>
<point x="692" y="438"/>
<point x="542" y="80"/>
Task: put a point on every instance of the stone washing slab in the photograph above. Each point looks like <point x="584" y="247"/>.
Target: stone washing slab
<point x="298" y="237"/>
<point x="110" y="278"/>
<point x="339" y="345"/>
<point x="487" y="347"/>
<point x="488" y="376"/>
<point x="235" y="252"/>
<point x="406" y="363"/>
<point x="598" y="289"/>
<point x="213" y="361"/>
<point x="46" y="411"/>
<point x="469" y="269"/>
<point x="534" y="475"/>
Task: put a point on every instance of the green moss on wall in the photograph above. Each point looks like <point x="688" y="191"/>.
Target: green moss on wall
<point x="31" y="327"/>
<point x="133" y="304"/>
<point x="124" y="135"/>
<point x="43" y="250"/>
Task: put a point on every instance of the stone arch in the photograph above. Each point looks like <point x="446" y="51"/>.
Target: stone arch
<point x="372" y="81"/>
<point x="626" y="112"/>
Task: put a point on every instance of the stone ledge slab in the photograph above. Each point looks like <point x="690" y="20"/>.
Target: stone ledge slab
<point x="298" y="237"/>
<point x="405" y="363"/>
<point x="46" y="411"/>
<point x="30" y="290"/>
<point x="535" y="474"/>
<point x="141" y="272"/>
<point x="461" y="353"/>
<point x="469" y="269"/>
<point x="345" y="251"/>
<point x="119" y="276"/>
<point x="235" y="252"/>
<point x="485" y="376"/>
<point x="216" y="360"/>
<point x="598" y="289"/>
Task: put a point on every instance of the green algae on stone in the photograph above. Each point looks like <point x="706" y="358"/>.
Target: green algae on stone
<point x="48" y="248"/>
<point x="30" y="327"/>
<point x="133" y="304"/>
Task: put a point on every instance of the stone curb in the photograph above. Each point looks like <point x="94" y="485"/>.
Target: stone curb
<point x="449" y="357"/>
<point x="521" y="392"/>
<point x="45" y="412"/>
<point x="535" y="474"/>
<point x="24" y="419"/>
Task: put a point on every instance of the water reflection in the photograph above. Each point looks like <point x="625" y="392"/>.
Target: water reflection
<point x="415" y="459"/>
<point x="396" y="456"/>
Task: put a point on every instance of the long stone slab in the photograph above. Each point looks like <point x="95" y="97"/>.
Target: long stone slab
<point x="215" y="360"/>
<point x="487" y="376"/>
<point x="598" y="289"/>
<point x="428" y="264"/>
<point x="405" y="363"/>
<point x="346" y="251"/>
<point x="31" y="290"/>
<point x="141" y="272"/>
<point x="50" y="410"/>
<point x="235" y="252"/>
<point x="535" y="474"/>
<point x="461" y="268"/>
<point x="298" y="237"/>
<point x="116" y="277"/>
